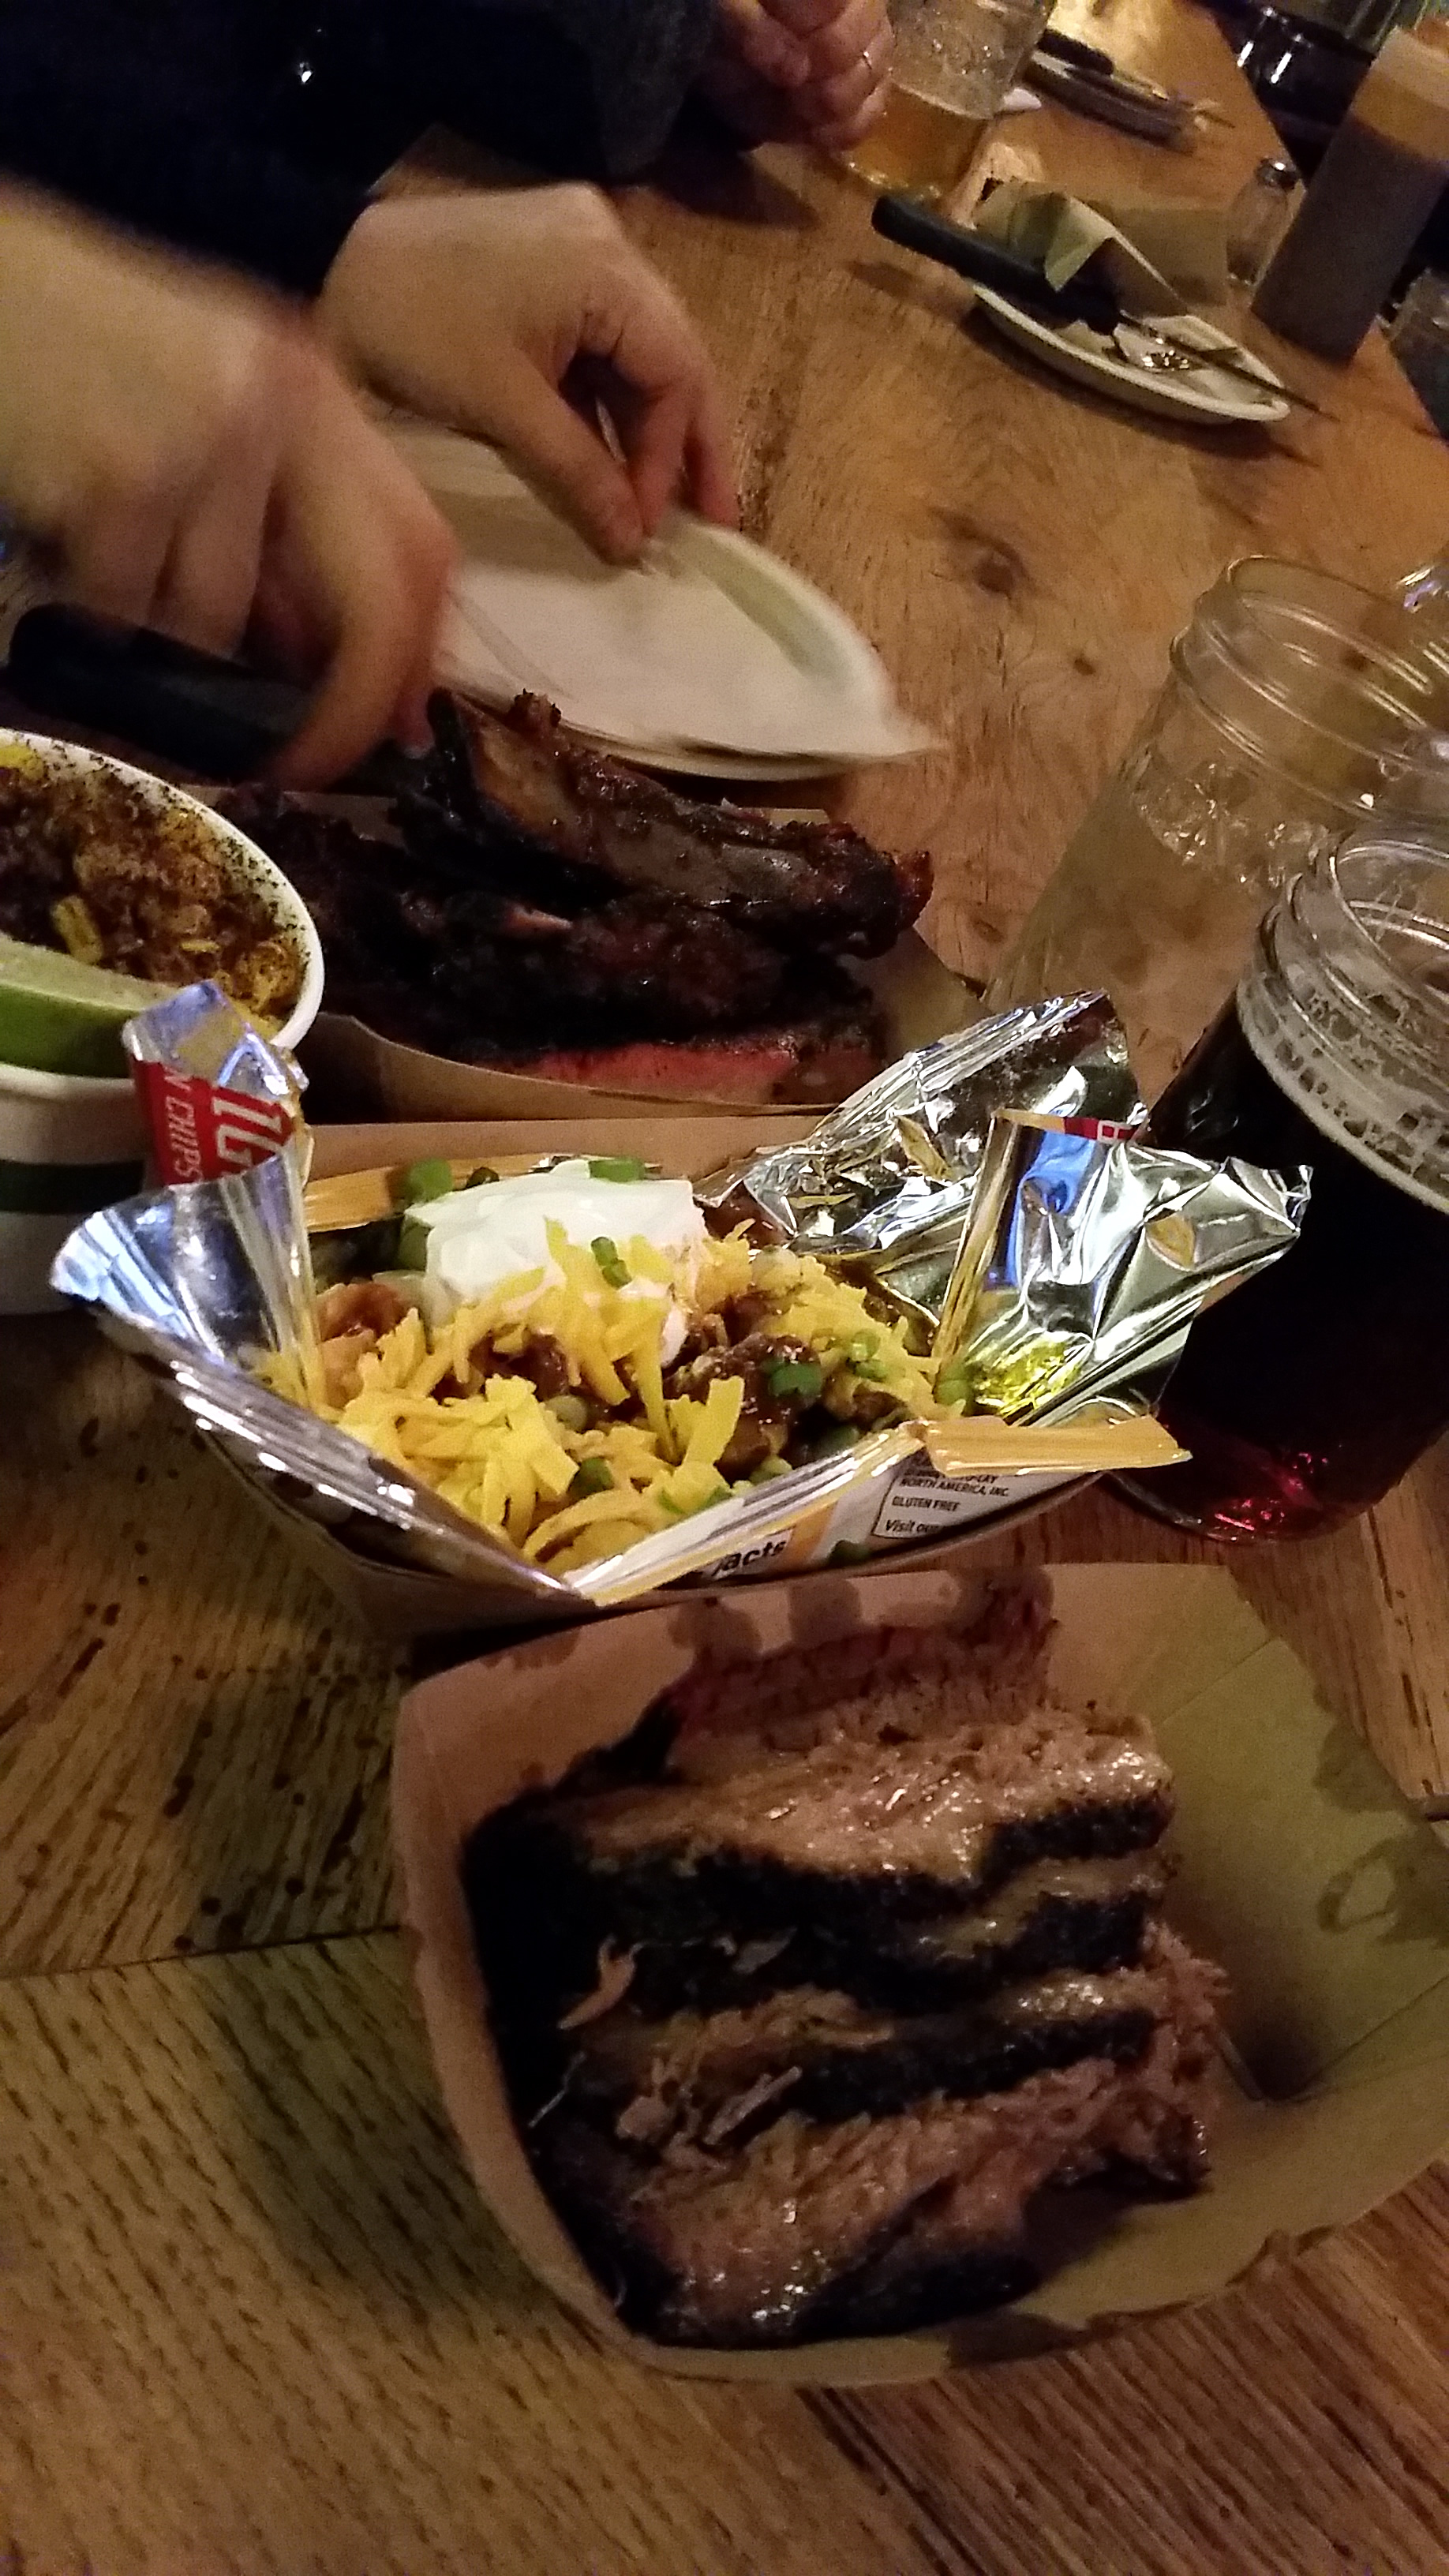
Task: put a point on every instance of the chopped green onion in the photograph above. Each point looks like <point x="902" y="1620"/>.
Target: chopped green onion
<point x="480" y="1173"/>
<point x="569" y="1409"/>
<point x="842" y="1435"/>
<point x="617" y="1167"/>
<point x="769" y="1468"/>
<point x="681" y="1511"/>
<point x="956" y="1383"/>
<point x="606" y="1253"/>
<point x="804" y="1378"/>
<point x="594" y="1476"/>
<point x="412" y="1245"/>
<point x="423" y="1181"/>
<point x="863" y="1357"/>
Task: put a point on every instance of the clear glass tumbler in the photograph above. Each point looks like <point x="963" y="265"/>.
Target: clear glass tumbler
<point x="1419" y="338"/>
<point x="1297" y="705"/>
<point x="953" y="64"/>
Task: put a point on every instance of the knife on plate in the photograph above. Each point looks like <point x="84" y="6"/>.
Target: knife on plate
<point x="914" y="226"/>
<point x="1079" y="299"/>
<point x="1070" y="49"/>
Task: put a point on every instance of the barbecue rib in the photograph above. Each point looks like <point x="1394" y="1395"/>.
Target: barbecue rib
<point x="566" y="822"/>
<point x="531" y="904"/>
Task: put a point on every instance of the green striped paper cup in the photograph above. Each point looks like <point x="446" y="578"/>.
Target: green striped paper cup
<point x="68" y="1145"/>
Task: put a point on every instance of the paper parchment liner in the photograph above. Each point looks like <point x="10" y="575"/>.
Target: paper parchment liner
<point x="1300" y="1869"/>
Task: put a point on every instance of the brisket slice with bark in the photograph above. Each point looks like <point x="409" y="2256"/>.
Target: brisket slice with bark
<point x="873" y="2224"/>
<point x="1052" y="1914"/>
<point x="713" y="2077"/>
<point x="890" y="1813"/>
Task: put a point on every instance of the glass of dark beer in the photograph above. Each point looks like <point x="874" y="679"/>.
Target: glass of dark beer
<point x="1307" y="1394"/>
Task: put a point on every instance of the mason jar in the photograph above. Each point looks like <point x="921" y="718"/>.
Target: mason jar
<point x="1296" y="706"/>
<point x="1305" y="1395"/>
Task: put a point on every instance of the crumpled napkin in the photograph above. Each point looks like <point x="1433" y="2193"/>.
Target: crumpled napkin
<point x="1186" y="243"/>
<point x="1061" y="233"/>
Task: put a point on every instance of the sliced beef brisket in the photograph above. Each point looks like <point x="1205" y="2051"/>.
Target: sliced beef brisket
<point x="810" y="1986"/>
<point x="712" y="2077"/>
<point x="858" y="2226"/>
<point x="1051" y="1914"/>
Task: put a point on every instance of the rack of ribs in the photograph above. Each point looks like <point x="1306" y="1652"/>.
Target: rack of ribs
<point x="529" y="901"/>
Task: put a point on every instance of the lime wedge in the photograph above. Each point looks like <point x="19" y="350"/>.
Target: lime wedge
<point x="61" y="1016"/>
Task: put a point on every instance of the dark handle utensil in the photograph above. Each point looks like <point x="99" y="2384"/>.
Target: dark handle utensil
<point x="1070" y="49"/>
<point x="214" y="718"/>
<point x="913" y="226"/>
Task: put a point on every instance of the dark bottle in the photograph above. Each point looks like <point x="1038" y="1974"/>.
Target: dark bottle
<point x="1307" y="1394"/>
<point x="1370" y="198"/>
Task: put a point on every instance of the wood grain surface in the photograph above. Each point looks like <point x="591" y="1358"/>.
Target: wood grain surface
<point x="193" y="1737"/>
<point x="1021" y="551"/>
<point x="256" y="2321"/>
<point x="251" y="2317"/>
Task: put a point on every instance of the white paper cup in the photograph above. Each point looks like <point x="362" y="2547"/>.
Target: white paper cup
<point x="70" y="1143"/>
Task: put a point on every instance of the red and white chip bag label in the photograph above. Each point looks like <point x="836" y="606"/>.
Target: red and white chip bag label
<point x="200" y="1131"/>
<point x="217" y="1097"/>
<point x="1098" y="1131"/>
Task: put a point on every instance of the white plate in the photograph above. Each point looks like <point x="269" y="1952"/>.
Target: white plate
<point x="687" y="760"/>
<point x="531" y="624"/>
<point x="1205" y="396"/>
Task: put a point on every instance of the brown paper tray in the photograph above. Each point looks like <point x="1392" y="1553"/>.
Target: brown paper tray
<point x="1300" y="1868"/>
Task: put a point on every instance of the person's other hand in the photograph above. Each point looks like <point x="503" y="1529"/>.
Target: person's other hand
<point x="194" y="463"/>
<point x="516" y="316"/>
<point x="809" y="71"/>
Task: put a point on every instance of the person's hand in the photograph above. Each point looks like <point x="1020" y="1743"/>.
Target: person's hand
<point x="193" y="462"/>
<point x="808" y="71"/>
<point x="518" y="315"/>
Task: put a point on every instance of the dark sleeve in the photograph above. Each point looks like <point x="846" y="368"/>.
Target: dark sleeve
<point x="589" y="88"/>
<point x="147" y="152"/>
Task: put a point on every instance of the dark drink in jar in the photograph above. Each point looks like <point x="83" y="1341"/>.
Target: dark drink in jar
<point x="1308" y="1393"/>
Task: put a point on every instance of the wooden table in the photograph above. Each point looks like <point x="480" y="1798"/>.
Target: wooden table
<point x="251" y="2317"/>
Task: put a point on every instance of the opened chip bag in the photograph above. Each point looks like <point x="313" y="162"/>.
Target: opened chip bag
<point x="217" y="1096"/>
<point x="558" y="1391"/>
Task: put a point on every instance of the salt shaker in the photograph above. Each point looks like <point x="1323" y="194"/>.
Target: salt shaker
<point x="1258" y="218"/>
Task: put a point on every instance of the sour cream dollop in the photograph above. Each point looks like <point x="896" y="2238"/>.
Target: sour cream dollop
<point x="479" y="1237"/>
